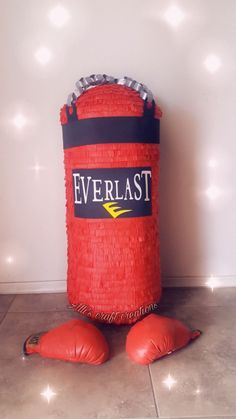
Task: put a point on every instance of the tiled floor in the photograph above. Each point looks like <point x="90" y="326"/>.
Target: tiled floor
<point x="205" y="371"/>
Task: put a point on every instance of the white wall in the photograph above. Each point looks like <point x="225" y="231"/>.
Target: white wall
<point x="132" y="38"/>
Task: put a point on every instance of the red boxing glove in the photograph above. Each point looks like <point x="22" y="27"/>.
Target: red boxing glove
<point x="75" y="341"/>
<point x="156" y="336"/>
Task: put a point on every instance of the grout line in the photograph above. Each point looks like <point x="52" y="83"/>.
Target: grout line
<point x="164" y="277"/>
<point x="33" y="282"/>
<point x="12" y="301"/>
<point x="153" y="392"/>
<point x="199" y="417"/>
<point x="168" y="305"/>
<point x="44" y="311"/>
<point x="1" y="321"/>
<point x="7" y="311"/>
<point x="195" y="276"/>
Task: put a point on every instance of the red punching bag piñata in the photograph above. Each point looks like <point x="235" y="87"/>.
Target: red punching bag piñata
<point x="111" y="156"/>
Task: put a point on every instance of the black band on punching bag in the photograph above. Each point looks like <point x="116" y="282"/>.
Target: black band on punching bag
<point x="119" y="129"/>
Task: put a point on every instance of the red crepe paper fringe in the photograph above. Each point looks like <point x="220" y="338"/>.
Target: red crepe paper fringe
<point x="108" y="100"/>
<point x="113" y="264"/>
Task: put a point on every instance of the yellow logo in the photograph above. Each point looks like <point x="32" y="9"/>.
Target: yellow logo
<point x="113" y="211"/>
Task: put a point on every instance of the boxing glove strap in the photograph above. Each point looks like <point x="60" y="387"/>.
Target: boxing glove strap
<point x="31" y="344"/>
<point x="195" y="334"/>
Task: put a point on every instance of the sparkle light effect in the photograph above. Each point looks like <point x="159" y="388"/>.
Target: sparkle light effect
<point x="169" y="382"/>
<point x="212" y="282"/>
<point x="198" y="390"/>
<point x="212" y="192"/>
<point x="43" y="55"/>
<point x="48" y="394"/>
<point x="174" y="16"/>
<point x="37" y="168"/>
<point x="19" y="121"/>
<point x="59" y="16"/>
<point x="212" y="163"/>
<point x="212" y="63"/>
<point x="9" y="260"/>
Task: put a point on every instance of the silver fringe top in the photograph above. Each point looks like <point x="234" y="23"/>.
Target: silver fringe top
<point x="86" y="83"/>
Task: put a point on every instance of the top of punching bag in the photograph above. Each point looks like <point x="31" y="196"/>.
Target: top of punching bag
<point x="103" y="109"/>
<point x="130" y="96"/>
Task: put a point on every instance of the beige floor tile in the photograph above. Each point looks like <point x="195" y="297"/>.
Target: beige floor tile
<point x="40" y="302"/>
<point x="201" y="296"/>
<point x="5" y="301"/>
<point x="205" y="371"/>
<point x="116" y="389"/>
<point x="2" y="315"/>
